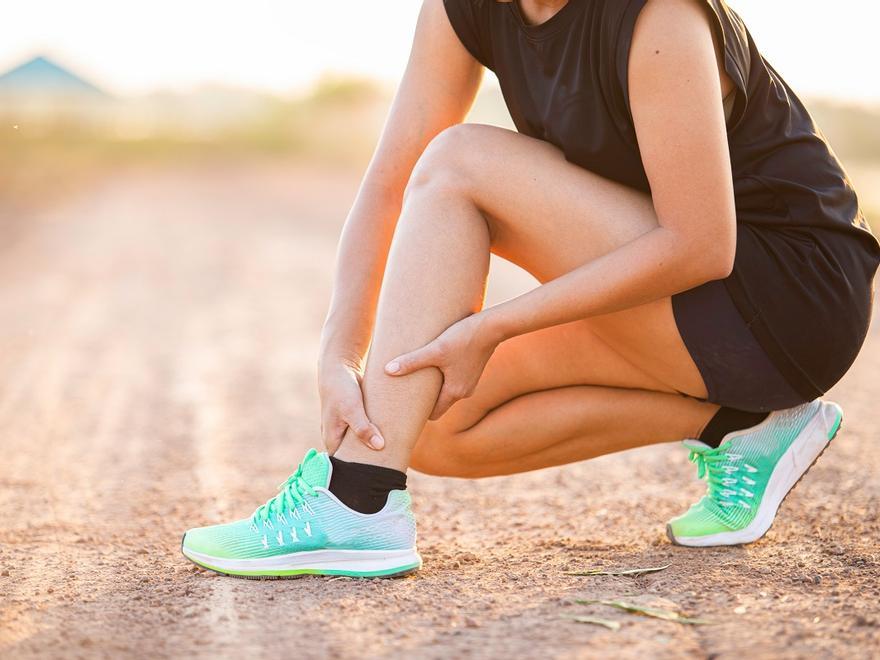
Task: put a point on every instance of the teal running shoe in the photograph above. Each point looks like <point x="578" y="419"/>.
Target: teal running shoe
<point x="750" y="473"/>
<point x="304" y="529"/>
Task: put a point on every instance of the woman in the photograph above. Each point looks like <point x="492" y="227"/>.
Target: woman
<point x="705" y="272"/>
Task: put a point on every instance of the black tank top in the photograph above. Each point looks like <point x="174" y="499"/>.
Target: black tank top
<point x="805" y="257"/>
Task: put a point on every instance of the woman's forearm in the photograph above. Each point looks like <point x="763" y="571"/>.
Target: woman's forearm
<point x="654" y="265"/>
<point x="437" y="89"/>
<point x="360" y="264"/>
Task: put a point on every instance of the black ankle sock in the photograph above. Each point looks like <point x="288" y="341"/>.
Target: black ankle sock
<point x="726" y="420"/>
<point x="364" y="487"/>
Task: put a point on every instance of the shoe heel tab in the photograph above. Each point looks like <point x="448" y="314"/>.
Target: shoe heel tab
<point x="832" y="415"/>
<point x="398" y="499"/>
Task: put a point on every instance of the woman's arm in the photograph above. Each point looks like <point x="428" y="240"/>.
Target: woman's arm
<point x="437" y="90"/>
<point x="675" y="98"/>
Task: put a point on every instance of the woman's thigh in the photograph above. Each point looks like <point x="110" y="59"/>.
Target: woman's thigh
<point x="550" y="216"/>
<point x="559" y="356"/>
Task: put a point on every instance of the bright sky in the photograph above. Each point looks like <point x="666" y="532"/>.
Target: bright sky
<point x="820" y="48"/>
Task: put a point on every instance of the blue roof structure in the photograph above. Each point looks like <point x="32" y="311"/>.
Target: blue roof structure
<point x="43" y="76"/>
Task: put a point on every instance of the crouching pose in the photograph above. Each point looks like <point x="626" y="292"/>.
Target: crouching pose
<point x="705" y="275"/>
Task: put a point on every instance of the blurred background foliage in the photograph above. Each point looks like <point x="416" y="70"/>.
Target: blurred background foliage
<point x="53" y="140"/>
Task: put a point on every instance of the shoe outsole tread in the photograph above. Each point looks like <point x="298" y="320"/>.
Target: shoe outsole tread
<point x="399" y="574"/>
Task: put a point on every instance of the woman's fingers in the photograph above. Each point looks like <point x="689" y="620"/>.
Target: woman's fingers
<point x="365" y="431"/>
<point x="332" y="431"/>
<point x="413" y="361"/>
<point x="334" y="427"/>
<point x="342" y="408"/>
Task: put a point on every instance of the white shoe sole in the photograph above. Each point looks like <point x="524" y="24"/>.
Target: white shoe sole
<point x="793" y="465"/>
<point x="354" y="563"/>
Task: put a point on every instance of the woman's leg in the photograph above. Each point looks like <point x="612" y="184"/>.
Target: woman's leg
<point x="480" y="188"/>
<point x="435" y="275"/>
<point x="552" y="397"/>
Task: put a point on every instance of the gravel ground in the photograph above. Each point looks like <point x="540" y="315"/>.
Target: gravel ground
<point x="158" y="334"/>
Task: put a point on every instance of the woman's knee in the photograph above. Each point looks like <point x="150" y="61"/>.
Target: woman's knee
<point x="445" y="165"/>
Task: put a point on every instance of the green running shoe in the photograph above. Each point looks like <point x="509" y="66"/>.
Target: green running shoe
<point x="304" y="529"/>
<point x="751" y="472"/>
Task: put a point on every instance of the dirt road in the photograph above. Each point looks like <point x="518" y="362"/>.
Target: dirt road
<point x="158" y="335"/>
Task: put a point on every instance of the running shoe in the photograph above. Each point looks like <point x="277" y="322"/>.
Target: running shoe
<point x="305" y="529"/>
<point x="750" y="473"/>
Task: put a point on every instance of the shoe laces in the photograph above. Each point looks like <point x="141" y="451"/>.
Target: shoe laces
<point x="292" y="492"/>
<point x="726" y="475"/>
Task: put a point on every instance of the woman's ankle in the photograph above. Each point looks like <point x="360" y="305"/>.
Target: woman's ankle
<point x="364" y="487"/>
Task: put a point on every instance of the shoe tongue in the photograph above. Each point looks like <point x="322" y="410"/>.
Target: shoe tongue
<point x="696" y="445"/>
<point x="316" y="469"/>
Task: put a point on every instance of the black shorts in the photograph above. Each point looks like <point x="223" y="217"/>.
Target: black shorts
<point x="736" y="370"/>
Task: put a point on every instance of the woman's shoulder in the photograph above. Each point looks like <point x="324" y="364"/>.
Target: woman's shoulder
<point x="471" y="21"/>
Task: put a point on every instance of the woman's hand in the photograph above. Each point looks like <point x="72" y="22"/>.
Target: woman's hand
<point x="461" y="353"/>
<point x="342" y="406"/>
